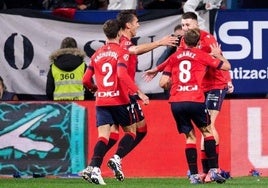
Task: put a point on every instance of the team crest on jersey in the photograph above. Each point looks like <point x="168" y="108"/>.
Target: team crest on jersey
<point x="126" y="57"/>
<point x="127" y="43"/>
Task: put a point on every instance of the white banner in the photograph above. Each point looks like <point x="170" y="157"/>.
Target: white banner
<point x="27" y="42"/>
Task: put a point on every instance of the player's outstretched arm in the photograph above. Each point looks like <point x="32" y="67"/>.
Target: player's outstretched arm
<point x="146" y="47"/>
<point x="150" y="74"/>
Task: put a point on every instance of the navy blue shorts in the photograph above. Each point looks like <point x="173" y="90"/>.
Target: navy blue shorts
<point x="214" y="98"/>
<point x="186" y="112"/>
<point x="136" y="108"/>
<point x="118" y="115"/>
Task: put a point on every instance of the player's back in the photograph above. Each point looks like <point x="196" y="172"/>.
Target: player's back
<point x="110" y="90"/>
<point x="187" y="68"/>
<point x="214" y="78"/>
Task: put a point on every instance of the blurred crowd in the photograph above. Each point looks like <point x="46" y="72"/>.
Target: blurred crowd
<point x="89" y="4"/>
<point x="121" y="4"/>
<point x="95" y="4"/>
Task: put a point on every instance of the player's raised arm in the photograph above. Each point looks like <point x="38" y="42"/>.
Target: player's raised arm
<point x="216" y="52"/>
<point x="146" y="47"/>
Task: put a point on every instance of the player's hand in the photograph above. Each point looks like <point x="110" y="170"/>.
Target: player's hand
<point x="82" y="7"/>
<point x="165" y="82"/>
<point x="169" y="40"/>
<point x="230" y="88"/>
<point x="93" y="88"/>
<point x="216" y="50"/>
<point x="149" y="74"/>
<point x="143" y="97"/>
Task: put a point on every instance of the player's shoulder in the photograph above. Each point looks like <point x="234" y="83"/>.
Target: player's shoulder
<point x="122" y="51"/>
<point x="124" y="41"/>
<point x="199" y="53"/>
<point x="204" y="35"/>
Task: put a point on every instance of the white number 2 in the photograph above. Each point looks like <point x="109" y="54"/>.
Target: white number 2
<point x="108" y="69"/>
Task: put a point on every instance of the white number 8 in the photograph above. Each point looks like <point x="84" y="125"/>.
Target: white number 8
<point x="185" y="67"/>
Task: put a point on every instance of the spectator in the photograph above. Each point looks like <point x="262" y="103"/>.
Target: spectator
<point x="92" y="4"/>
<point x="32" y="4"/>
<point x="81" y="4"/>
<point x="122" y="4"/>
<point x="178" y="32"/>
<point x="256" y="4"/>
<point x="64" y="79"/>
<point x="6" y="95"/>
<point x="87" y="4"/>
<point x="161" y="4"/>
<point x="64" y="4"/>
<point x="2" y="5"/>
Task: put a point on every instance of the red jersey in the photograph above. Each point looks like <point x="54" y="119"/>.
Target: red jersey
<point x="187" y="68"/>
<point x="133" y="58"/>
<point x="109" y="64"/>
<point x="214" y="78"/>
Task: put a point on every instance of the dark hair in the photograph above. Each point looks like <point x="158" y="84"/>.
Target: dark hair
<point x="111" y="28"/>
<point x="192" y="37"/>
<point x="189" y="15"/>
<point x="177" y="27"/>
<point x="68" y="42"/>
<point x="125" y="16"/>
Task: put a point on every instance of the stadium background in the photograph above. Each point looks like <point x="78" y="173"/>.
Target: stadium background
<point x="242" y="122"/>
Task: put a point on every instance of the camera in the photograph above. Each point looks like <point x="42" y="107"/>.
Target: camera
<point x="178" y="37"/>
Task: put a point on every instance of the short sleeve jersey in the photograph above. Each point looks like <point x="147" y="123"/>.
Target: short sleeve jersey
<point x="133" y="59"/>
<point x="104" y="64"/>
<point x="187" y="68"/>
<point x="214" y="78"/>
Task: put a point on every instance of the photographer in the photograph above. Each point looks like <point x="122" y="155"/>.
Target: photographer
<point x="178" y="32"/>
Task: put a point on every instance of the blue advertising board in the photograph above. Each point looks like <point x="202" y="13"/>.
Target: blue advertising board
<point x="243" y="35"/>
<point x="43" y="138"/>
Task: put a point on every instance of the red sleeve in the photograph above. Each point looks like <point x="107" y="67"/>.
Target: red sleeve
<point x="123" y="74"/>
<point x="227" y="76"/>
<point x="162" y="66"/>
<point x="87" y="78"/>
<point x="167" y="68"/>
<point x="206" y="39"/>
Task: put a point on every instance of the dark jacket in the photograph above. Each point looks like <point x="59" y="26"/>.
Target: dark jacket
<point x="66" y="59"/>
<point x="7" y="96"/>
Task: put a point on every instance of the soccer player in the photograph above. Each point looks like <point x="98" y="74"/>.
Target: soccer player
<point x="129" y="25"/>
<point x="216" y="83"/>
<point x="184" y="71"/>
<point x="109" y="65"/>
